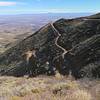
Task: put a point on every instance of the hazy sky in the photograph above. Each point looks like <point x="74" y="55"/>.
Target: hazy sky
<point x="44" y="6"/>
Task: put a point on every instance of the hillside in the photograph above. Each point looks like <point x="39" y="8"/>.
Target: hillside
<point x="69" y="45"/>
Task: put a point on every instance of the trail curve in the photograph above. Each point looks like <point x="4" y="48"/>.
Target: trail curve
<point x="56" y="41"/>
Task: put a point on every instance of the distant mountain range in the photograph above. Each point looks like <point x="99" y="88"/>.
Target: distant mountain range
<point x="68" y="45"/>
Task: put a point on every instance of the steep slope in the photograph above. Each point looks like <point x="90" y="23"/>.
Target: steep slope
<point x="83" y="40"/>
<point x="68" y="45"/>
<point x="12" y="61"/>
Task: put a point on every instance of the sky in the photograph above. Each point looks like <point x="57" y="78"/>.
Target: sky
<point x="48" y="6"/>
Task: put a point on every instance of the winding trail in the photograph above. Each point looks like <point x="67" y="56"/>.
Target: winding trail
<point x="56" y="41"/>
<point x="59" y="35"/>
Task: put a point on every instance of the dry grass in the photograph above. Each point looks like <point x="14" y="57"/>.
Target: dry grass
<point x="79" y="95"/>
<point x="48" y="88"/>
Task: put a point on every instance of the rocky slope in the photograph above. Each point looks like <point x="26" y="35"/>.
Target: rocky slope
<point x="80" y="38"/>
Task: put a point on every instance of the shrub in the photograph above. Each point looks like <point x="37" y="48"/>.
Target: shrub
<point x="79" y="95"/>
<point x="15" y="98"/>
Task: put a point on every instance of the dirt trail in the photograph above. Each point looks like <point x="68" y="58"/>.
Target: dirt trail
<point x="59" y="35"/>
<point x="56" y="41"/>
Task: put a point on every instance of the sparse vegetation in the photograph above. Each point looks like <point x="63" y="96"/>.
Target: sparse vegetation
<point x="48" y="88"/>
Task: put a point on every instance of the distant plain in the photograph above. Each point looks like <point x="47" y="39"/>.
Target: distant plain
<point x="14" y="28"/>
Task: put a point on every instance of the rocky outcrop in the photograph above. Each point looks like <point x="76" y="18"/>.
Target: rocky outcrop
<point x="80" y="37"/>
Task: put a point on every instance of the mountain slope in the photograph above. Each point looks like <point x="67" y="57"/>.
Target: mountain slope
<point x="68" y="45"/>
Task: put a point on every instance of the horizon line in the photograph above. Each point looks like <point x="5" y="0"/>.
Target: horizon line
<point x="53" y="13"/>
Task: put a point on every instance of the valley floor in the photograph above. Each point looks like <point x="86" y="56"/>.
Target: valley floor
<point x="48" y="88"/>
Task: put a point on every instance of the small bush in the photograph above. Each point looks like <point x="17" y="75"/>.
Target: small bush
<point x="37" y="90"/>
<point x="79" y="95"/>
<point x="65" y="85"/>
<point x="15" y="98"/>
